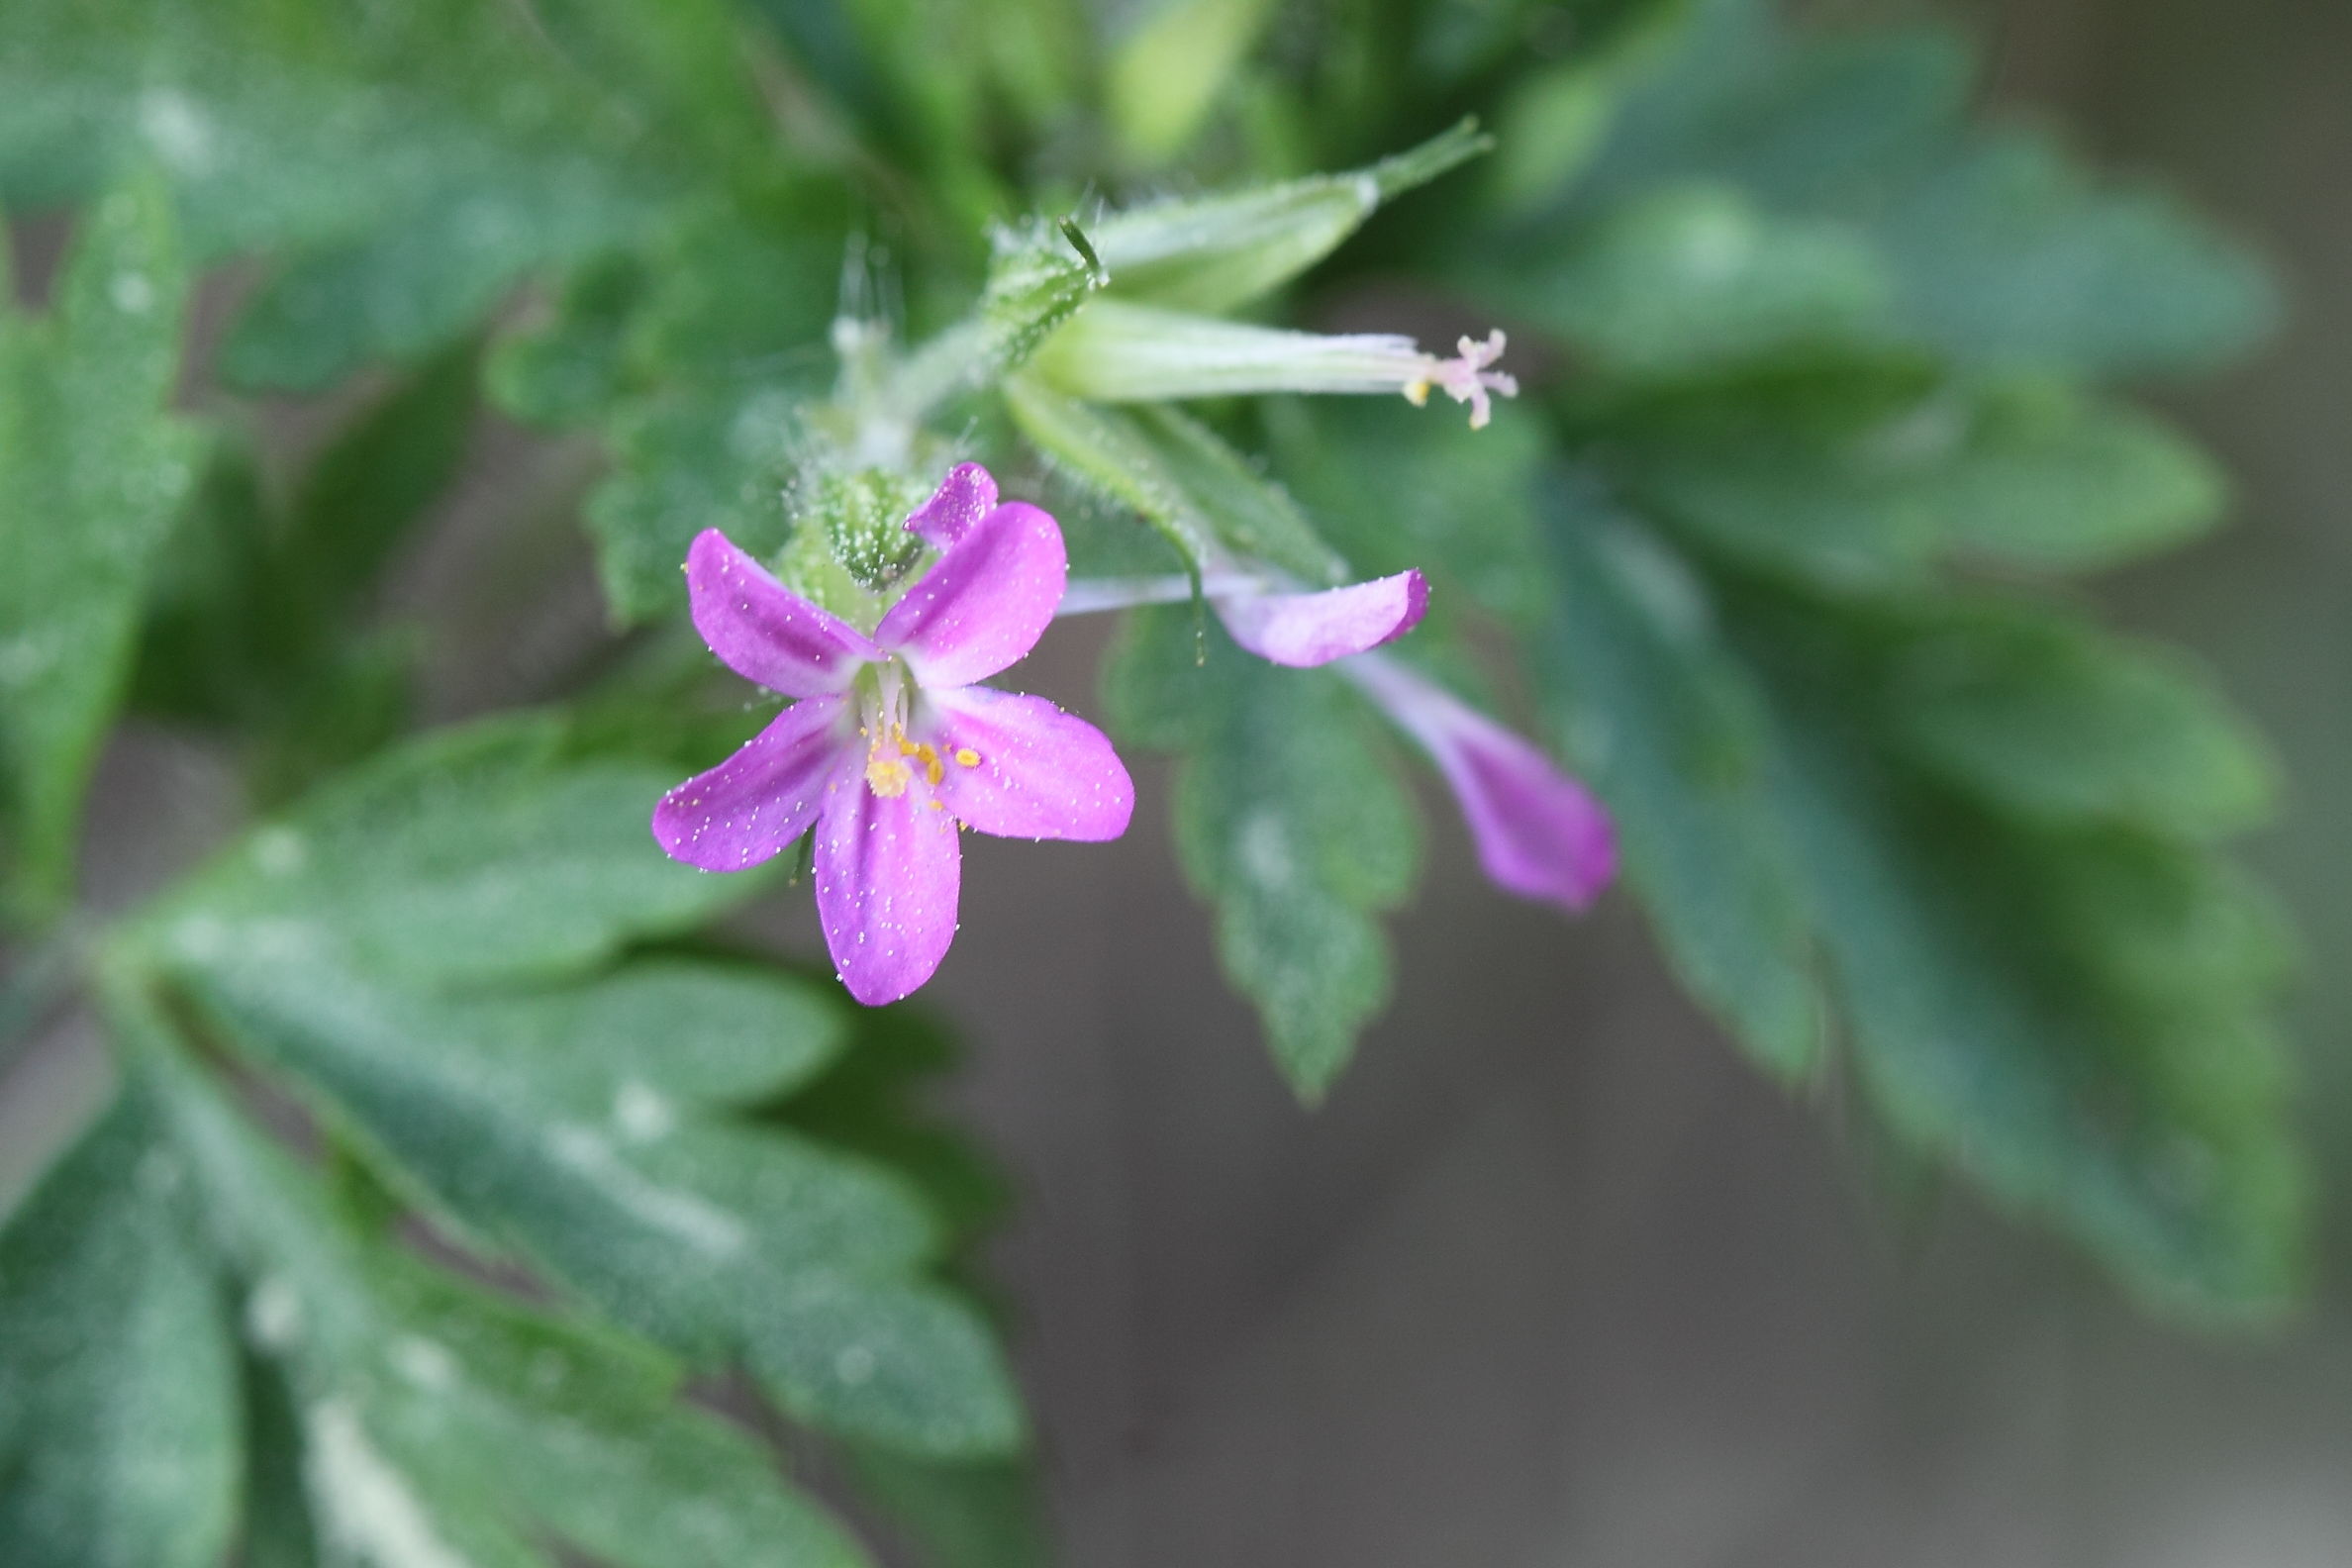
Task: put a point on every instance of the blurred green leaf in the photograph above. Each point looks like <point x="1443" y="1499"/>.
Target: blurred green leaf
<point x="1986" y="248"/>
<point x="119" y="1439"/>
<point x="1806" y="120"/>
<point x="872" y="1102"/>
<point x="1288" y="819"/>
<point x="597" y="1133"/>
<point x="1984" y="1046"/>
<point x="477" y="855"/>
<point x="2009" y="256"/>
<point x="1697" y="280"/>
<point x="2055" y="482"/>
<point x="1824" y="479"/>
<point x="209" y="649"/>
<point x="93" y="472"/>
<point x="2160" y="925"/>
<point x="1169" y="72"/>
<point x="261" y="629"/>
<point x="417" y="162"/>
<point x="438" y="1425"/>
<point x="1660" y="719"/>
<point x="279" y="1530"/>
<point x="354" y="505"/>
<point x="696" y="363"/>
<point x="2037" y="714"/>
<point x="968" y="1516"/>
<point x="400" y="297"/>
<point x="569" y="363"/>
<point x="1987" y="880"/>
<point x="1865" y="482"/>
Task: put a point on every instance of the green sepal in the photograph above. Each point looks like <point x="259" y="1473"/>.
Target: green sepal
<point x="1204" y="497"/>
<point x="1211" y="253"/>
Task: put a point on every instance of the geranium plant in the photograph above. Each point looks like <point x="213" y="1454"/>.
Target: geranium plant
<point x="1729" y="575"/>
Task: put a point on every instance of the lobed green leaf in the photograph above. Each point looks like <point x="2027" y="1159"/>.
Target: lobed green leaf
<point x="93" y="472"/>
<point x="118" y="1441"/>
<point x="1288" y="819"/>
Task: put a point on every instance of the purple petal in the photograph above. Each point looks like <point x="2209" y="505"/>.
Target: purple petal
<point x="1022" y="768"/>
<point x="888" y="871"/>
<point x="1540" y="832"/>
<point x="1303" y="630"/>
<point x="754" y="804"/>
<point x="762" y="630"/>
<point x="985" y="603"/>
<point x="964" y="497"/>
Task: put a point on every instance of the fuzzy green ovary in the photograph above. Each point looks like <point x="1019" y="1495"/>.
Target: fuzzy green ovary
<point x="849" y="551"/>
<point x="864" y="516"/>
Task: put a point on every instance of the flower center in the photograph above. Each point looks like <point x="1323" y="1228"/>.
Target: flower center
<point x="892" y="760"/>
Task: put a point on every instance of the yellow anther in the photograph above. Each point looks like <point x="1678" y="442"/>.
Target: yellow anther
<point x="931" y="769"/>
<point x="967" y="757"/>
<point x="1416" y="393"/>
<point x="887" y="776"/>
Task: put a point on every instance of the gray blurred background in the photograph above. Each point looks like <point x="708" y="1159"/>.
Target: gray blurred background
<point x="1554" y="1279"/>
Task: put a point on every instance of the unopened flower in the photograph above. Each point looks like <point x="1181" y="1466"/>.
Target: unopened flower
<point x="1300" y="629"/>
<point x="889" y="744"/>
<point x="1113" y="351"/>
<point x="1539" y="834"/>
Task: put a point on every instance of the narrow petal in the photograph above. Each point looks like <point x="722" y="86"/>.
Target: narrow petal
<point x="964" y="497"/>
<point x="1303" y="630"/>
<point x="985" y="603"/>
<point x="887" y="872"/>
<point x="762" y="630"/>
<point x="1539" y="834"/>
<point x="750" y="806"/>
<point x="1022" y="768"/>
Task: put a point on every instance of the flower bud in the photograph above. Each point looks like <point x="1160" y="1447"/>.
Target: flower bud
<point x="1115" y="352"/>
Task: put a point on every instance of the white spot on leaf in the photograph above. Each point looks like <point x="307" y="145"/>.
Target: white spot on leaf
<point x="363" y="1503"/>
<point x="642" y="1113"/>
<point x="424" y="1363"/>
<point x="700" y="1225"/>
<point x="273" y="1314"/>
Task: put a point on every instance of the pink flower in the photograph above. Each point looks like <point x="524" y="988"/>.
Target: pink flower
<point x="1539" y="834"/>
<point x="1300" y="629"/>
<point x="1305" y="630"/>
<point x="890" y="746"/>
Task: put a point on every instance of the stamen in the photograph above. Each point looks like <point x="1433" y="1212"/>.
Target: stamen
<point x="965" y="756"/>
<point x="887" y="776"/>
<point x="1466" y="378"/>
